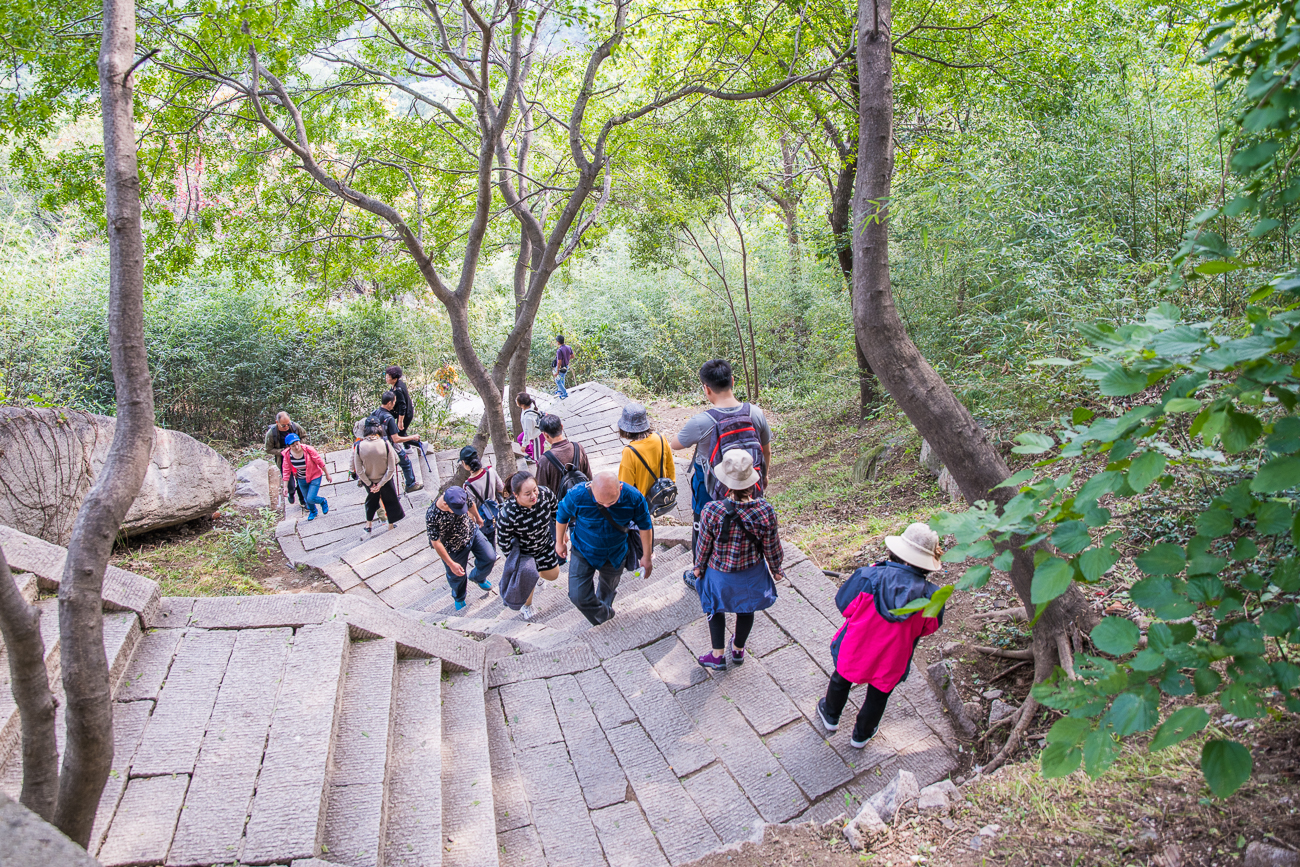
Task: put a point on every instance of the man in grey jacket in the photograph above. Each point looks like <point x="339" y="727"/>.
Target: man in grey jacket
<point x="274" y="443"/>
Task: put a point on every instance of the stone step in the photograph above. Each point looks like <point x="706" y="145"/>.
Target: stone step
<point x="357" y="809"/>
<point x="288" y="813"/>
<point x="413" y="836"/>
<point x="468" y="805"/>
<point x="10" y="724"/>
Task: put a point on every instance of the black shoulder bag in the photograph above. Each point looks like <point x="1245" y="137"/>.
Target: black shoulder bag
<point x="662" y="496"/>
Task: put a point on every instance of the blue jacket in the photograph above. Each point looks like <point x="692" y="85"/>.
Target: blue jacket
<point x="598" y="542"/>
<point x="893" y="585"/>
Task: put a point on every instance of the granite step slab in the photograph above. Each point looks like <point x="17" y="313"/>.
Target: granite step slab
<point x="598" y="771"/>
<point x="129" y="720"/>
<point x="682" y="744"/>
<point x="146" y="818"/>
<point x="413" y="836"/>
<point x="559" y="812"/>
<point x="468" y="808"/>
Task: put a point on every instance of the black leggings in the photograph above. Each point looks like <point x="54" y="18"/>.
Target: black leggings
<point x="873" y="707"/>
<point x="718" y="628"/>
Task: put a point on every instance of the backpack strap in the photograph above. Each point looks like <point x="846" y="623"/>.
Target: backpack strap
<point x="609" y="517"/>
<point x="647" y="466"/>
<point x="559" y="466"/>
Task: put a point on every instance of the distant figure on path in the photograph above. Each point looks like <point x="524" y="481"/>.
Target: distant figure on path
<point x="647" y="461"/>
<point x="374" y="461"/>
<point x="388" y="421"/>
<point x="560" y="366"/>
<point x="404" y="406"/>
<point x="737" y="535"/>
<point x="274" y="444"/>
<point x="726" y="425"/>
<point x="873" y="646"/>
<point x="563" y="458"/>
<point x="600" y="512"/>
<point x="527" y="521"/>
<point x="486" y="487"/>
<point x="530" y="437"/>
<point x="305" y="466"/>
<point x="453" y="534"/>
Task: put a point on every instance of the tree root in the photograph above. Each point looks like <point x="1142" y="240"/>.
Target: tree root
<point x="1005" y="654"/>
<point x="1009" y="670"/>
<point x="1026" y="714"/>
<point x="1015" y="613"/>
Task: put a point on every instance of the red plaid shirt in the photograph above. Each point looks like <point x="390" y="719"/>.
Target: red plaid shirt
<point x="737" y="552"/>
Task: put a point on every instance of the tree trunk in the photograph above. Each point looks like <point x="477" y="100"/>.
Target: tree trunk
<point x="518" y="372"/>
<point x="928" y="401"/>
<point x="88" y="752"/>
<point x="20" y="626"/>
<point x="840" y="214"/>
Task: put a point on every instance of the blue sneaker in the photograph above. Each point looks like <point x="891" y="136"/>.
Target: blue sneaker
<point x="325" y="507"/>
<point x="460" y="603"/>
<point x="311" y="516"/>
<point x="486" y="585"/>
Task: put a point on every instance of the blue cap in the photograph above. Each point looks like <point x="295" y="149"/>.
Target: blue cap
<point x="290" y="439"/>
<point x="455" y="499"/>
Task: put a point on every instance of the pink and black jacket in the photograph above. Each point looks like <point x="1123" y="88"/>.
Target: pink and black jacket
<point x="874" y="646"/>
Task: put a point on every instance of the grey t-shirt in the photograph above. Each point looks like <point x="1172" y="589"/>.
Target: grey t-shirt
<point x="700" y="431"/>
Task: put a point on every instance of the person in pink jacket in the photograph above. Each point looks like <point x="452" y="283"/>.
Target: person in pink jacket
<point x="305" y="466"/>
<point x="874" y="646"/>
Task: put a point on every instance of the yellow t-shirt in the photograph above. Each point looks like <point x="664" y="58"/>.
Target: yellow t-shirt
<point x="651" y="449"/>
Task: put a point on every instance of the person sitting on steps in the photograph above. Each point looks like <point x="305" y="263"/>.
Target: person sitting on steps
<point x="600" y="511"/>
<point x="550" y="471"/>
<point x="737" y="536"/>
<point x="453" y="535"/>
<point x="388" y="421"/>
<point x="874" y="646"/>
<point x="305" y="466"/>
<point x="374" y="461"/>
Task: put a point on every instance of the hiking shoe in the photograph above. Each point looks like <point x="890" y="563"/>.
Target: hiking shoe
<point x="689" y="577"/>
<point x="325" y="507"/>
<point x="365" y="533"/>
<point x="827" y="723"/>
<point x="411" y="489"/>
<point x="311" y="517"/>
<point x="527" y="612"/>
<point x="737" y="656"/>
<point x="486" y="585"/>
<point x="717" y="663"/>
<point x="859" y="744"/>
<point x="460" y="603"/>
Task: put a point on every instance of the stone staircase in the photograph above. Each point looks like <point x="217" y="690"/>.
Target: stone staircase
<point x="371" y="727"/>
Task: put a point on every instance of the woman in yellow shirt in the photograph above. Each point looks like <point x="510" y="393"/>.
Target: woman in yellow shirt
<point x="647" y="458"/>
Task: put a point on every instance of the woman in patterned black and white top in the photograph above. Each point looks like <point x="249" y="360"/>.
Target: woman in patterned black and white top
<point x="528" y="521"/>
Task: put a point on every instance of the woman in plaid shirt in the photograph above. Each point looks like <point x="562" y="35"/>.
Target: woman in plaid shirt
<point x="739" y="553"/>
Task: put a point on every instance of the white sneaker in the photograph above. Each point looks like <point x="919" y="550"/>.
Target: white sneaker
<point x="527" y="612"/>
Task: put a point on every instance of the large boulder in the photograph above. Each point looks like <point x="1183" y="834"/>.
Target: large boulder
<point x="50" y="458"/>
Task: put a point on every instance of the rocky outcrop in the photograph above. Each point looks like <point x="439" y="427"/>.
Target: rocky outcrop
<point x="253" y="485"/>
<point x="49" y="459"/>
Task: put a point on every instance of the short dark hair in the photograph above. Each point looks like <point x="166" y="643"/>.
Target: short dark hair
<point x="716" y="374"/>
<point x="373" y="427"/>
<point x="387" y="398"/>
<point x="524" y="399"/>
<point x="394" y="371"/>
<point x="551" y="425"/>
<point x="559" y="338"/>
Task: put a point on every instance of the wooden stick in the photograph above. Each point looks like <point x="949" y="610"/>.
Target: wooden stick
<point x="1005" y="654"/>
<point x="1009" y="670"/>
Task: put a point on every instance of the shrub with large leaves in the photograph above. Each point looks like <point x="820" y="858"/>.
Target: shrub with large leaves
<point x="1222" y="436"/>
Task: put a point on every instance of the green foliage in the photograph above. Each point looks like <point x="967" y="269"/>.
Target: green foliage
<point x="1224" y="595"/>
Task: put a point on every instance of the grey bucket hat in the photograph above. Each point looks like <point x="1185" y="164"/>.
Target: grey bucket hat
<point x="634" y="419"/>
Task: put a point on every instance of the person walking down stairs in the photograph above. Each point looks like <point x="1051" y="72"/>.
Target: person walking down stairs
<point x="527" y="522"/>
<point x="565" y="463"/>
<point x="304" y="466"/>
<point x="530" y="437"/>
<point x="600" y="512"/>
<point x="647" y="462"/>
<point x="374" y="462"/>
<point x="453" y="534"/>
<point x="486" y="487"/>
<point x="874" y="646"/>
<point x="739" y="553"/>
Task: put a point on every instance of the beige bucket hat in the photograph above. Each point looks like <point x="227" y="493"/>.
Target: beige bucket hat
<point x="736" y="470"/>
<point x="918" y="546"/>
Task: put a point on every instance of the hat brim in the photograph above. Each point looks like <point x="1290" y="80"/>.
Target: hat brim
<point x="620" y="427"/>
<point x="913" y="554"/>
<point x="737" y="483"/>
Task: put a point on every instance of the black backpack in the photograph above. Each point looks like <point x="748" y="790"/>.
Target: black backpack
<point x="734" y="430"/>
<point x="572" y="476"/>
<point x="662" y="496"/>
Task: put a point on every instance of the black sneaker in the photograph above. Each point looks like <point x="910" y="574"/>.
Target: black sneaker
<point x="689" y="578"/>
<point x="827" y="723"/>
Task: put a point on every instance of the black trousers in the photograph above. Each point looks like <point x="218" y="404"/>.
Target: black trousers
<point x="718" y="629"/>
<point x="873" y="708"/>
<point x="279" y="462"/>
<point x="387" y="494"/>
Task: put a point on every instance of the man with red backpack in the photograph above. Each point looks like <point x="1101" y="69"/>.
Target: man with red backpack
<point x="727" y="424"/>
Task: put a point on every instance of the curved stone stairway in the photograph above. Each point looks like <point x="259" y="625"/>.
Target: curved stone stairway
<point x="372" y="728"/>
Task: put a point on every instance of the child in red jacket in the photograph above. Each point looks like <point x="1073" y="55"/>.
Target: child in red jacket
<point x="873" y="646"/>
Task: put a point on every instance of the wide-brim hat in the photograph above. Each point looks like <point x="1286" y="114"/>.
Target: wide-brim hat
<point x="736" y="470"/>
<point x="634" y="419"/>
<point x="918" y="546"/>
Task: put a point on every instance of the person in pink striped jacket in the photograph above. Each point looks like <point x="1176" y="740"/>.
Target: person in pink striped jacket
<point x="304" y="466"/>
<point x="875" y="646"/>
